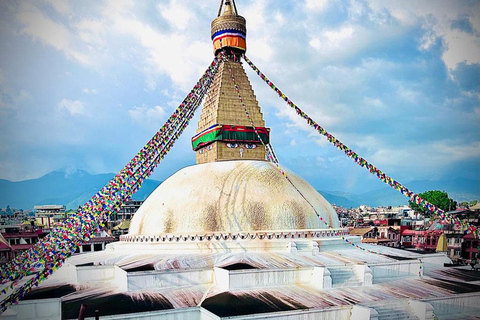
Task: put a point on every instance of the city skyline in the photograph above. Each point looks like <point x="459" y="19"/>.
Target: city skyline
<point x="85" y="85"/>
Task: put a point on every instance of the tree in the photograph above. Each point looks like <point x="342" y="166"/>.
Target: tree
<point x="438" y="198"/>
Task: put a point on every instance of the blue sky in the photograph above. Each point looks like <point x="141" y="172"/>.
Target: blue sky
<point x="84" y="84"/>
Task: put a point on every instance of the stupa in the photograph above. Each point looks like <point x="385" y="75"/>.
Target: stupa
<point x="235" y="236"/>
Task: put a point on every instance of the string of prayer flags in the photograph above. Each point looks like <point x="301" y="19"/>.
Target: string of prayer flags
<point x="444" y="216"/>
<point x="49" y="253"/>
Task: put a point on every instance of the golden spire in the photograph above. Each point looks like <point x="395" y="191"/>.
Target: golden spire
<point x="228" y="8"/>
<point x="226" y="126"/>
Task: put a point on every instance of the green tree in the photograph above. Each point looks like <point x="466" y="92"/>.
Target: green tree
<point x="439" y="198"/>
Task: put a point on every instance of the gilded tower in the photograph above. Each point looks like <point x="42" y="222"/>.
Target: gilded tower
<point x="231" y="125"/>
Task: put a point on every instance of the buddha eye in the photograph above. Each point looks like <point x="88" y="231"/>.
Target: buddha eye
<point x="209" y="147"/>
<point x="250" y="146"/>
<point x="232" y="145"/>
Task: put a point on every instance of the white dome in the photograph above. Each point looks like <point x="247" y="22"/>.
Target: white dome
<point x="232" y="196"/>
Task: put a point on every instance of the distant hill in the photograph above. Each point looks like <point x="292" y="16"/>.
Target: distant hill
<point x="459" y="189"/>
<point x="60" y="187"/>
<point x="74" y="189"/>
<point x="339" y="200"/>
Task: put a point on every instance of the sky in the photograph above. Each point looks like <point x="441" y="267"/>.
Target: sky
<point x="85" y="84"/>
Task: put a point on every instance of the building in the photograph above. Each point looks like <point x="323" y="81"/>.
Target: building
<point x="232" y="238"/>
<point x="49" y="215"/>
<point x="128" y="209"/>
<point x="470" y="247"/>
<point x="454" y="246"/>
<point x="381" y="235"/>
<point x="97" y="243"/>
<point x="422" y="240"/>
<point x="6" y="251"/>
<point x="20" y="238"/>
<point x="121" y="229"/>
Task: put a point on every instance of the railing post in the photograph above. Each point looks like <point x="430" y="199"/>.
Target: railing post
<point x="81" y="313"/>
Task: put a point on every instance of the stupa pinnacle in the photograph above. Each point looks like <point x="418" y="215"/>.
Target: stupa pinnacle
<point x="225" y="132"/>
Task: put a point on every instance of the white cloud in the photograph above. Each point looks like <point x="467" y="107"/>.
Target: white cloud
<point x="260" y="46"/>
<point x="89" y="91"/>
<point x="279" y="18"/>
<point x="150" y="117"/>
<point x="316" y="5"/>
<point x="61" y="6"/>
<point x="429" y="157"/>
<point x="74" y="107"/>
<point x="351" y="71"/>
<point x="374" y="103"/>
<point x="92" y="31"/>
<point x="461" y="47"/>
<point x="336" y="37"/>
<point x="51" y="33"/>
<point x="177" y="14"/>
<point x="436" y="19"/>
<point x="180" y="55"/>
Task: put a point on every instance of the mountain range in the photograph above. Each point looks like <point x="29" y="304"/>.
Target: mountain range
<point x="76" y="188"/>
<point x="459" y="189"/>
<point x="60" y="187"/>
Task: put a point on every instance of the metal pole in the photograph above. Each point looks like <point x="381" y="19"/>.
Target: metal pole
<point x="97" y="314"/>
<point x="81" y="313"/>
<point x="220" y="9"/>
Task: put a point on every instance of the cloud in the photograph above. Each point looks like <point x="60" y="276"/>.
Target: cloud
<point x="92" y="32"/>
<point x="60" y="6"/>
<point x="177" y="14"/>
<point x="150" y="117"/>
<point x="49" y="32"/>
<point x="386" y="78"/>
<point x="461" y="48"/>
<point x="74" y="107"/>
<point x="89" y="91"/>
<point x="316" y="5"/>
<point x="332" y="39"/>
<point x="430" y="158"/>
<point x="447" y="21"/>
<point x="177" y="54"/>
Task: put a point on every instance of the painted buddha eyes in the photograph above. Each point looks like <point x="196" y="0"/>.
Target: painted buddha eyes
<point x="204" y="150"/>
<point x="236" y="145"/>
<point x="232" y="145"/>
